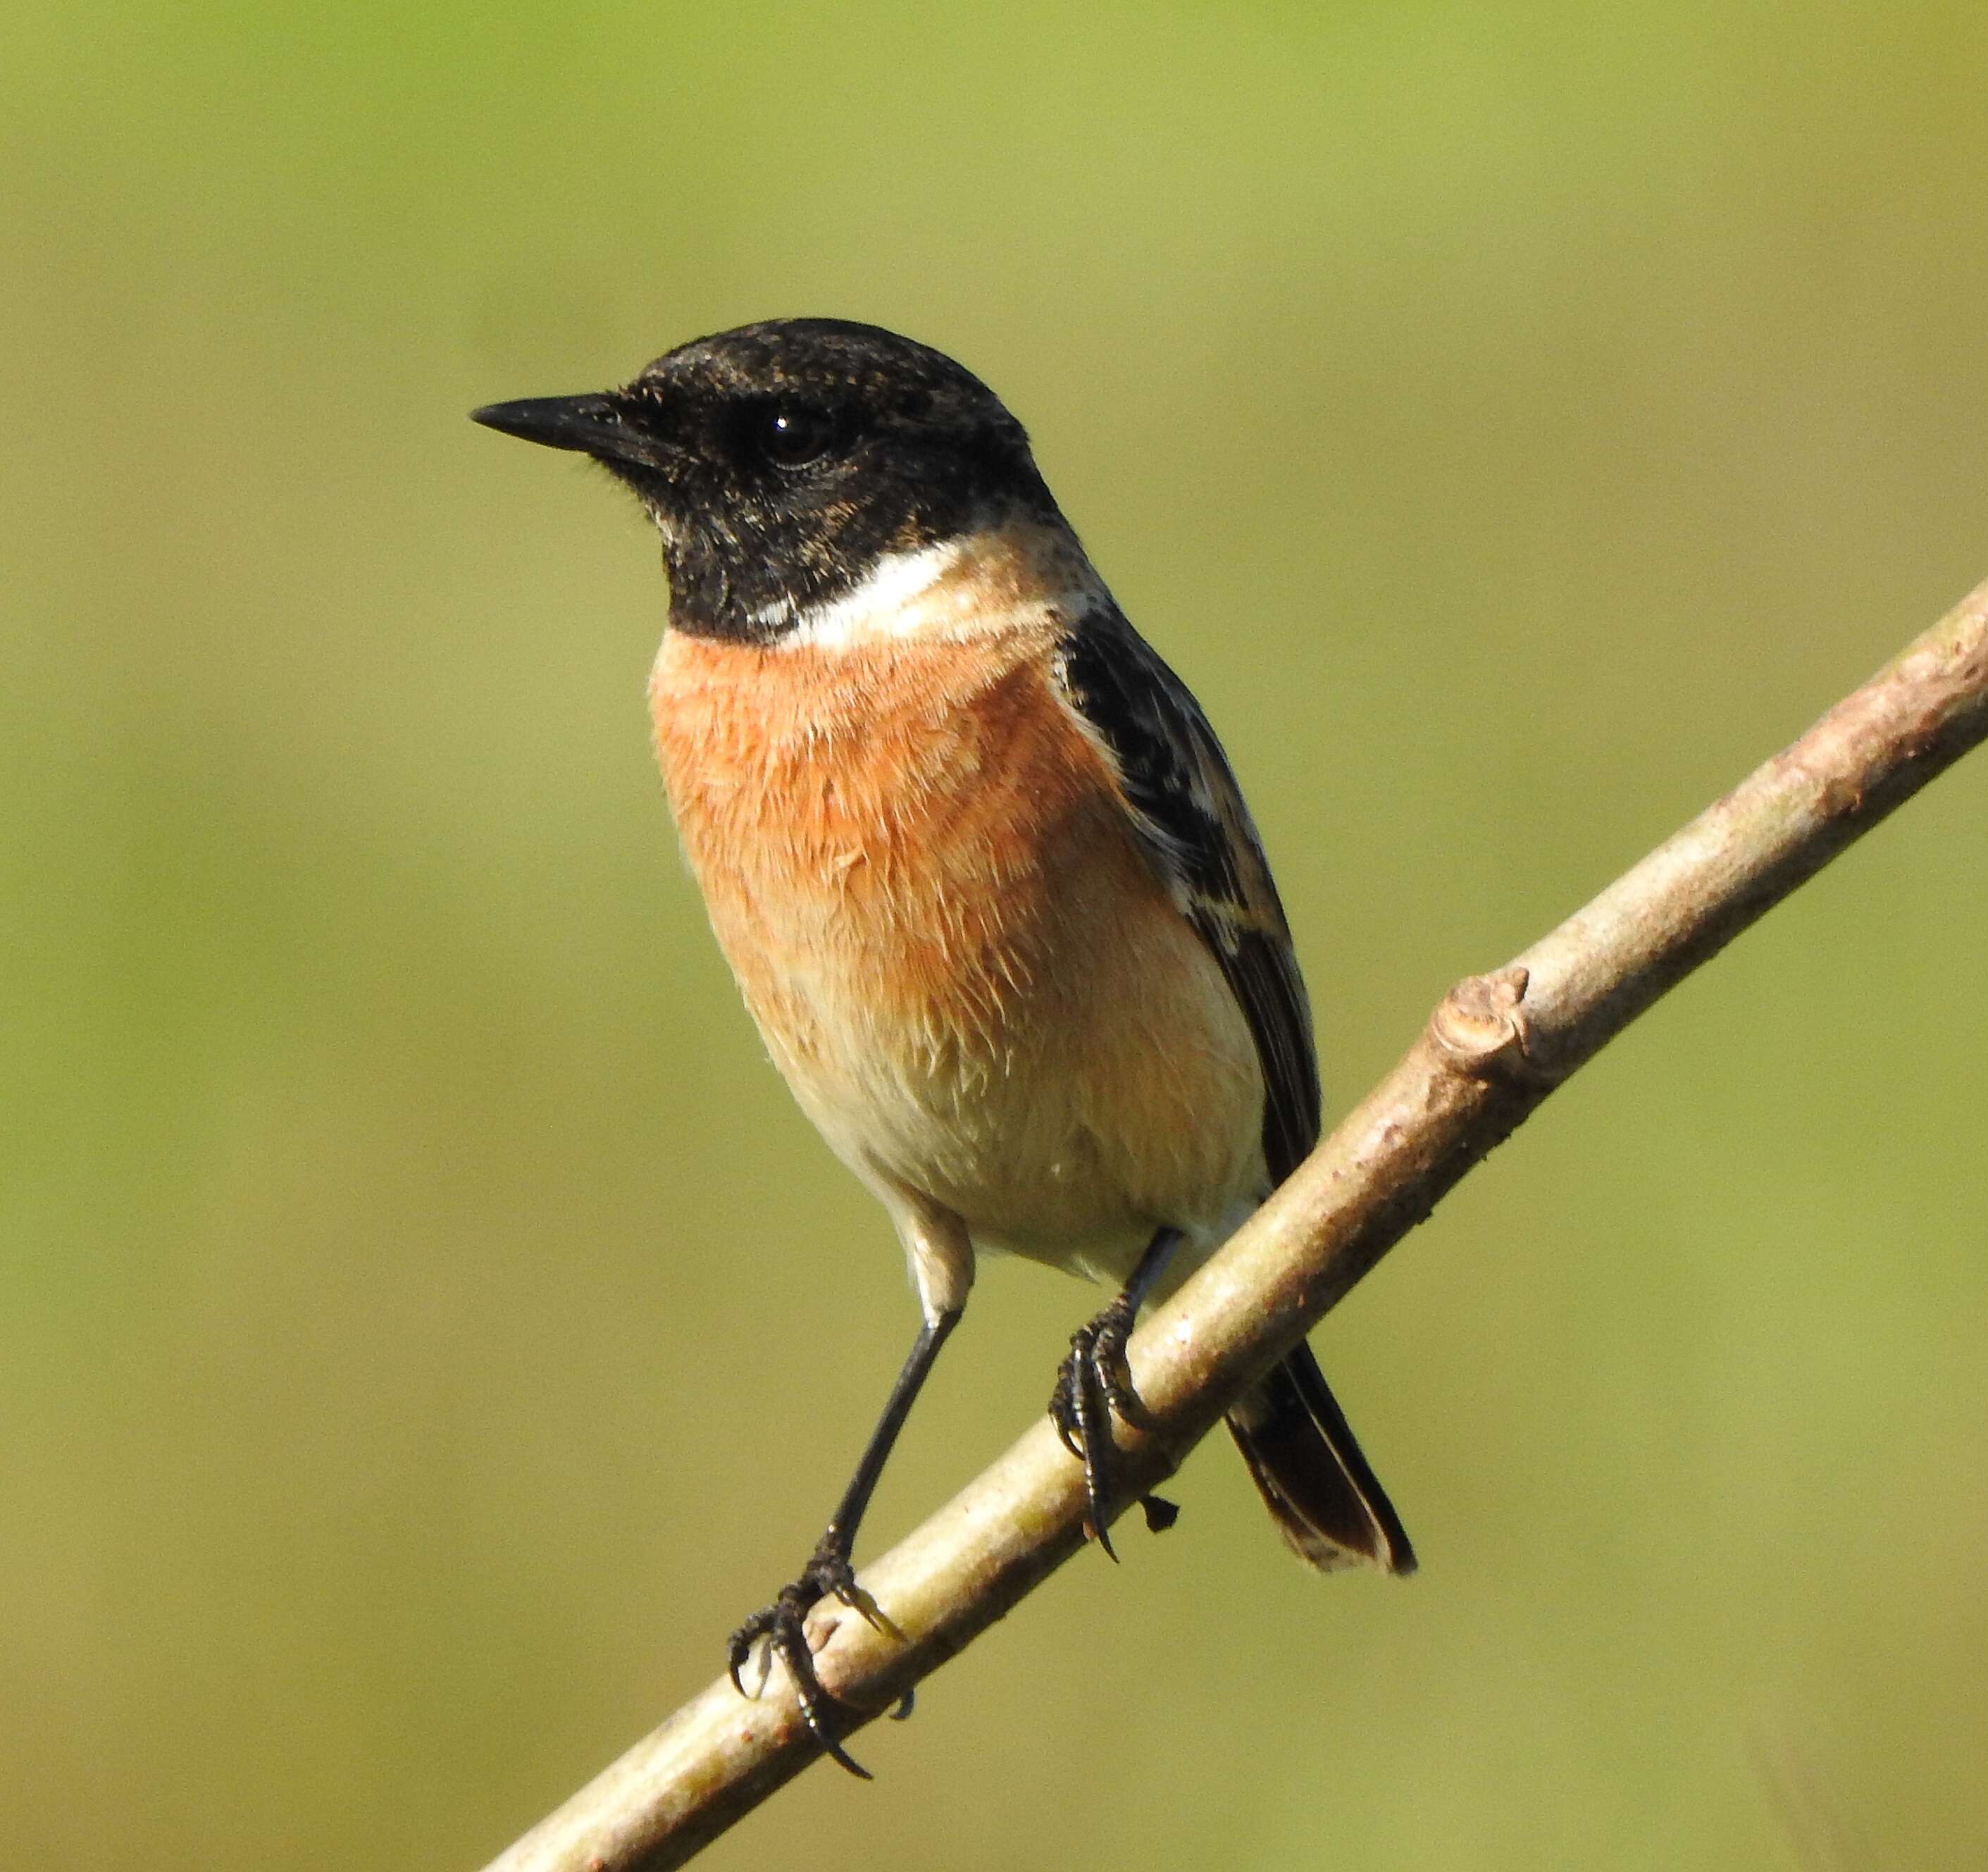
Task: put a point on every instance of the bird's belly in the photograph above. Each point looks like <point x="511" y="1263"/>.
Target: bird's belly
<point x="972" y="981"/>
<point x="1065" y="1101"/>
<point x="1067" y="1128"/>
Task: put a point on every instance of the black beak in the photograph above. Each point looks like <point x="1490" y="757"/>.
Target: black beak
<point x="593" y="425"/>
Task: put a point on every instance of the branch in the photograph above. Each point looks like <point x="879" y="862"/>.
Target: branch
<point x="1497" y="1045"/>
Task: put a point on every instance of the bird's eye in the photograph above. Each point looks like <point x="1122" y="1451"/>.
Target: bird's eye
<point x="793" y="435"/>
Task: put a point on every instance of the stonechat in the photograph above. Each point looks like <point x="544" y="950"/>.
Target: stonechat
<point x="979" y="865"/>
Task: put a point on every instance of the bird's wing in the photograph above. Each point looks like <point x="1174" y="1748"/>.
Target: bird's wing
<point x="1191" y="822"/>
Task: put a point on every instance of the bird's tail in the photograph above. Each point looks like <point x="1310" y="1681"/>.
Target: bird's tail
<point x="1324" y="1499"/>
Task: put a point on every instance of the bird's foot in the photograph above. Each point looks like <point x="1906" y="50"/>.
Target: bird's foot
<point x="1094" y="1385"/>
<point x="780" y="1630"/>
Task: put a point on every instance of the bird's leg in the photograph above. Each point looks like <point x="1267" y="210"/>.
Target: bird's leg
<point x="828" y="1573"/>
<point x="1093" y="1384"/>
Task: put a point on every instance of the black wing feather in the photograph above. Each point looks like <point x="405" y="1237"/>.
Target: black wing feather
<point x="1196" y="830"/>
<point x="1191" y="818"/>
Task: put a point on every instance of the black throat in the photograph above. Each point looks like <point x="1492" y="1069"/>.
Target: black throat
<point x="755" y="584"/>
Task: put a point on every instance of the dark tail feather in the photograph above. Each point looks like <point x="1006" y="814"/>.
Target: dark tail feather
<point x="1323" y="1498"/>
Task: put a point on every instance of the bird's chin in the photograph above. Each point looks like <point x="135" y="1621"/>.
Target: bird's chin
<point x="668" y="522"/>
<point x="650" y="487"/>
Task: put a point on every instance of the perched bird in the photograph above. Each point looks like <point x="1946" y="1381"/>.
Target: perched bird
<point x="982" y="871"/>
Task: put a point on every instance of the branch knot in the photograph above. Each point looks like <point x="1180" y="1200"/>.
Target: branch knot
<point x="1481" y="1028"/>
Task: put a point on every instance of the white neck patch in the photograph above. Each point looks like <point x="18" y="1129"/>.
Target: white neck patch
<point x="933" y="595"/>
<point x="898" y="600"/>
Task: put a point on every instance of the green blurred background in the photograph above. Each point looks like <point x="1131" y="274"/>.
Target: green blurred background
<point x="425" y="1326"/>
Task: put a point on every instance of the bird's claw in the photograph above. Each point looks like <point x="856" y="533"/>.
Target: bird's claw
<point x="1094" y="1385"/>
<point x="781" y="1629"/>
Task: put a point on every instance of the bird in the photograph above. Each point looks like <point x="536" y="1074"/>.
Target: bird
<point x="985" y="877"/>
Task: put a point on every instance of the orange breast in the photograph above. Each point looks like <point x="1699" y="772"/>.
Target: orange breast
<point x="922" y="873"/>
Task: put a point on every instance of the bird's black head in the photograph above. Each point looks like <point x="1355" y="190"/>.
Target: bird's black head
<point x="782" y="460"/>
